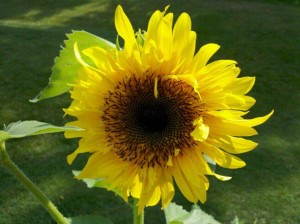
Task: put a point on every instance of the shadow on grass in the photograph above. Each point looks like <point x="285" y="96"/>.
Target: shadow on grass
<point x="48" y="169"/>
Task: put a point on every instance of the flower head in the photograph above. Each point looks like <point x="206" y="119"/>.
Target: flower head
<point x="152" y="111"/>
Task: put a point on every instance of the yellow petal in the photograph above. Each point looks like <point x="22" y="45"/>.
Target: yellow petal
<point x="183" y="55"/>
<point x="136" y="189"/>
<point x="84" y="146"/>
<point x="203" y="55"/>
<point x="222" y="158"/>
<point x="201" y="131"/>
<point x="164" y="36"/>
<point x="74" y="134"/>
<point x="167" y="192"/>
<point x="71" y="157"/>
<point x="183" y="185"/>
<point x="97" y="54"/>
<point x="170" y="161"/>
<point x="220" y="69"/>
<point x="193" y="189"/>
<point x="239" y="102"/>
<point x="235" y="145"/>
<point x="241" y="85"/>
<point x="256" y="121"/>
<point x="182" y="31"/>
<point x="152" y="26"/>
<point x="102" y="165"/>
<point x="229" y="127"/>
<point x="78" y="56"/>
<point x="124" y="28"/>
<point x="221" y="177"/>
<point x="176" y="153"/>
<point x="155" y="197"/>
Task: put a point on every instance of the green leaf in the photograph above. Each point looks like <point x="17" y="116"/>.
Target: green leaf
<point x="64" y="70"/>
<point x="175" y="214"/>
<point x="90" y="219"/>
<point x="96" y="183"/>
<point x="22" y="129"/>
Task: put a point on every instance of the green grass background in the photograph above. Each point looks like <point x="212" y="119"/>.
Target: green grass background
<point x="262" y="36"/>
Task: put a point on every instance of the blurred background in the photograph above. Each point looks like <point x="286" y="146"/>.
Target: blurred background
<point x="262" y="36"/>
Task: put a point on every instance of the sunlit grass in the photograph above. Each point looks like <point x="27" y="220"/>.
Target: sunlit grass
<point x="262" y="37"/>
<point x="35" y="18"/>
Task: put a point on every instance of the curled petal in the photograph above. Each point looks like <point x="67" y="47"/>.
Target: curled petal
<point x="124" y="28"/>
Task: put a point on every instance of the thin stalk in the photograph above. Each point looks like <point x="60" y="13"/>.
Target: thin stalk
<point x="17" y="173"/>
<point x="137" y="218"/>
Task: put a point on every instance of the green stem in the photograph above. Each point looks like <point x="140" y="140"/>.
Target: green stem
<point x="137" y="218"/>
<point x="17" y="173"/>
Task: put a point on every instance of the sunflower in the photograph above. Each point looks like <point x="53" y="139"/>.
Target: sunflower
<point x="154" y="110"/>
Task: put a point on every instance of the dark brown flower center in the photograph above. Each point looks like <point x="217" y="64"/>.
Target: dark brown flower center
<point x="145" y="129"/>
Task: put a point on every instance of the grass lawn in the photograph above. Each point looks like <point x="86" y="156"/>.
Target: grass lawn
<point x="262" y="36"/>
